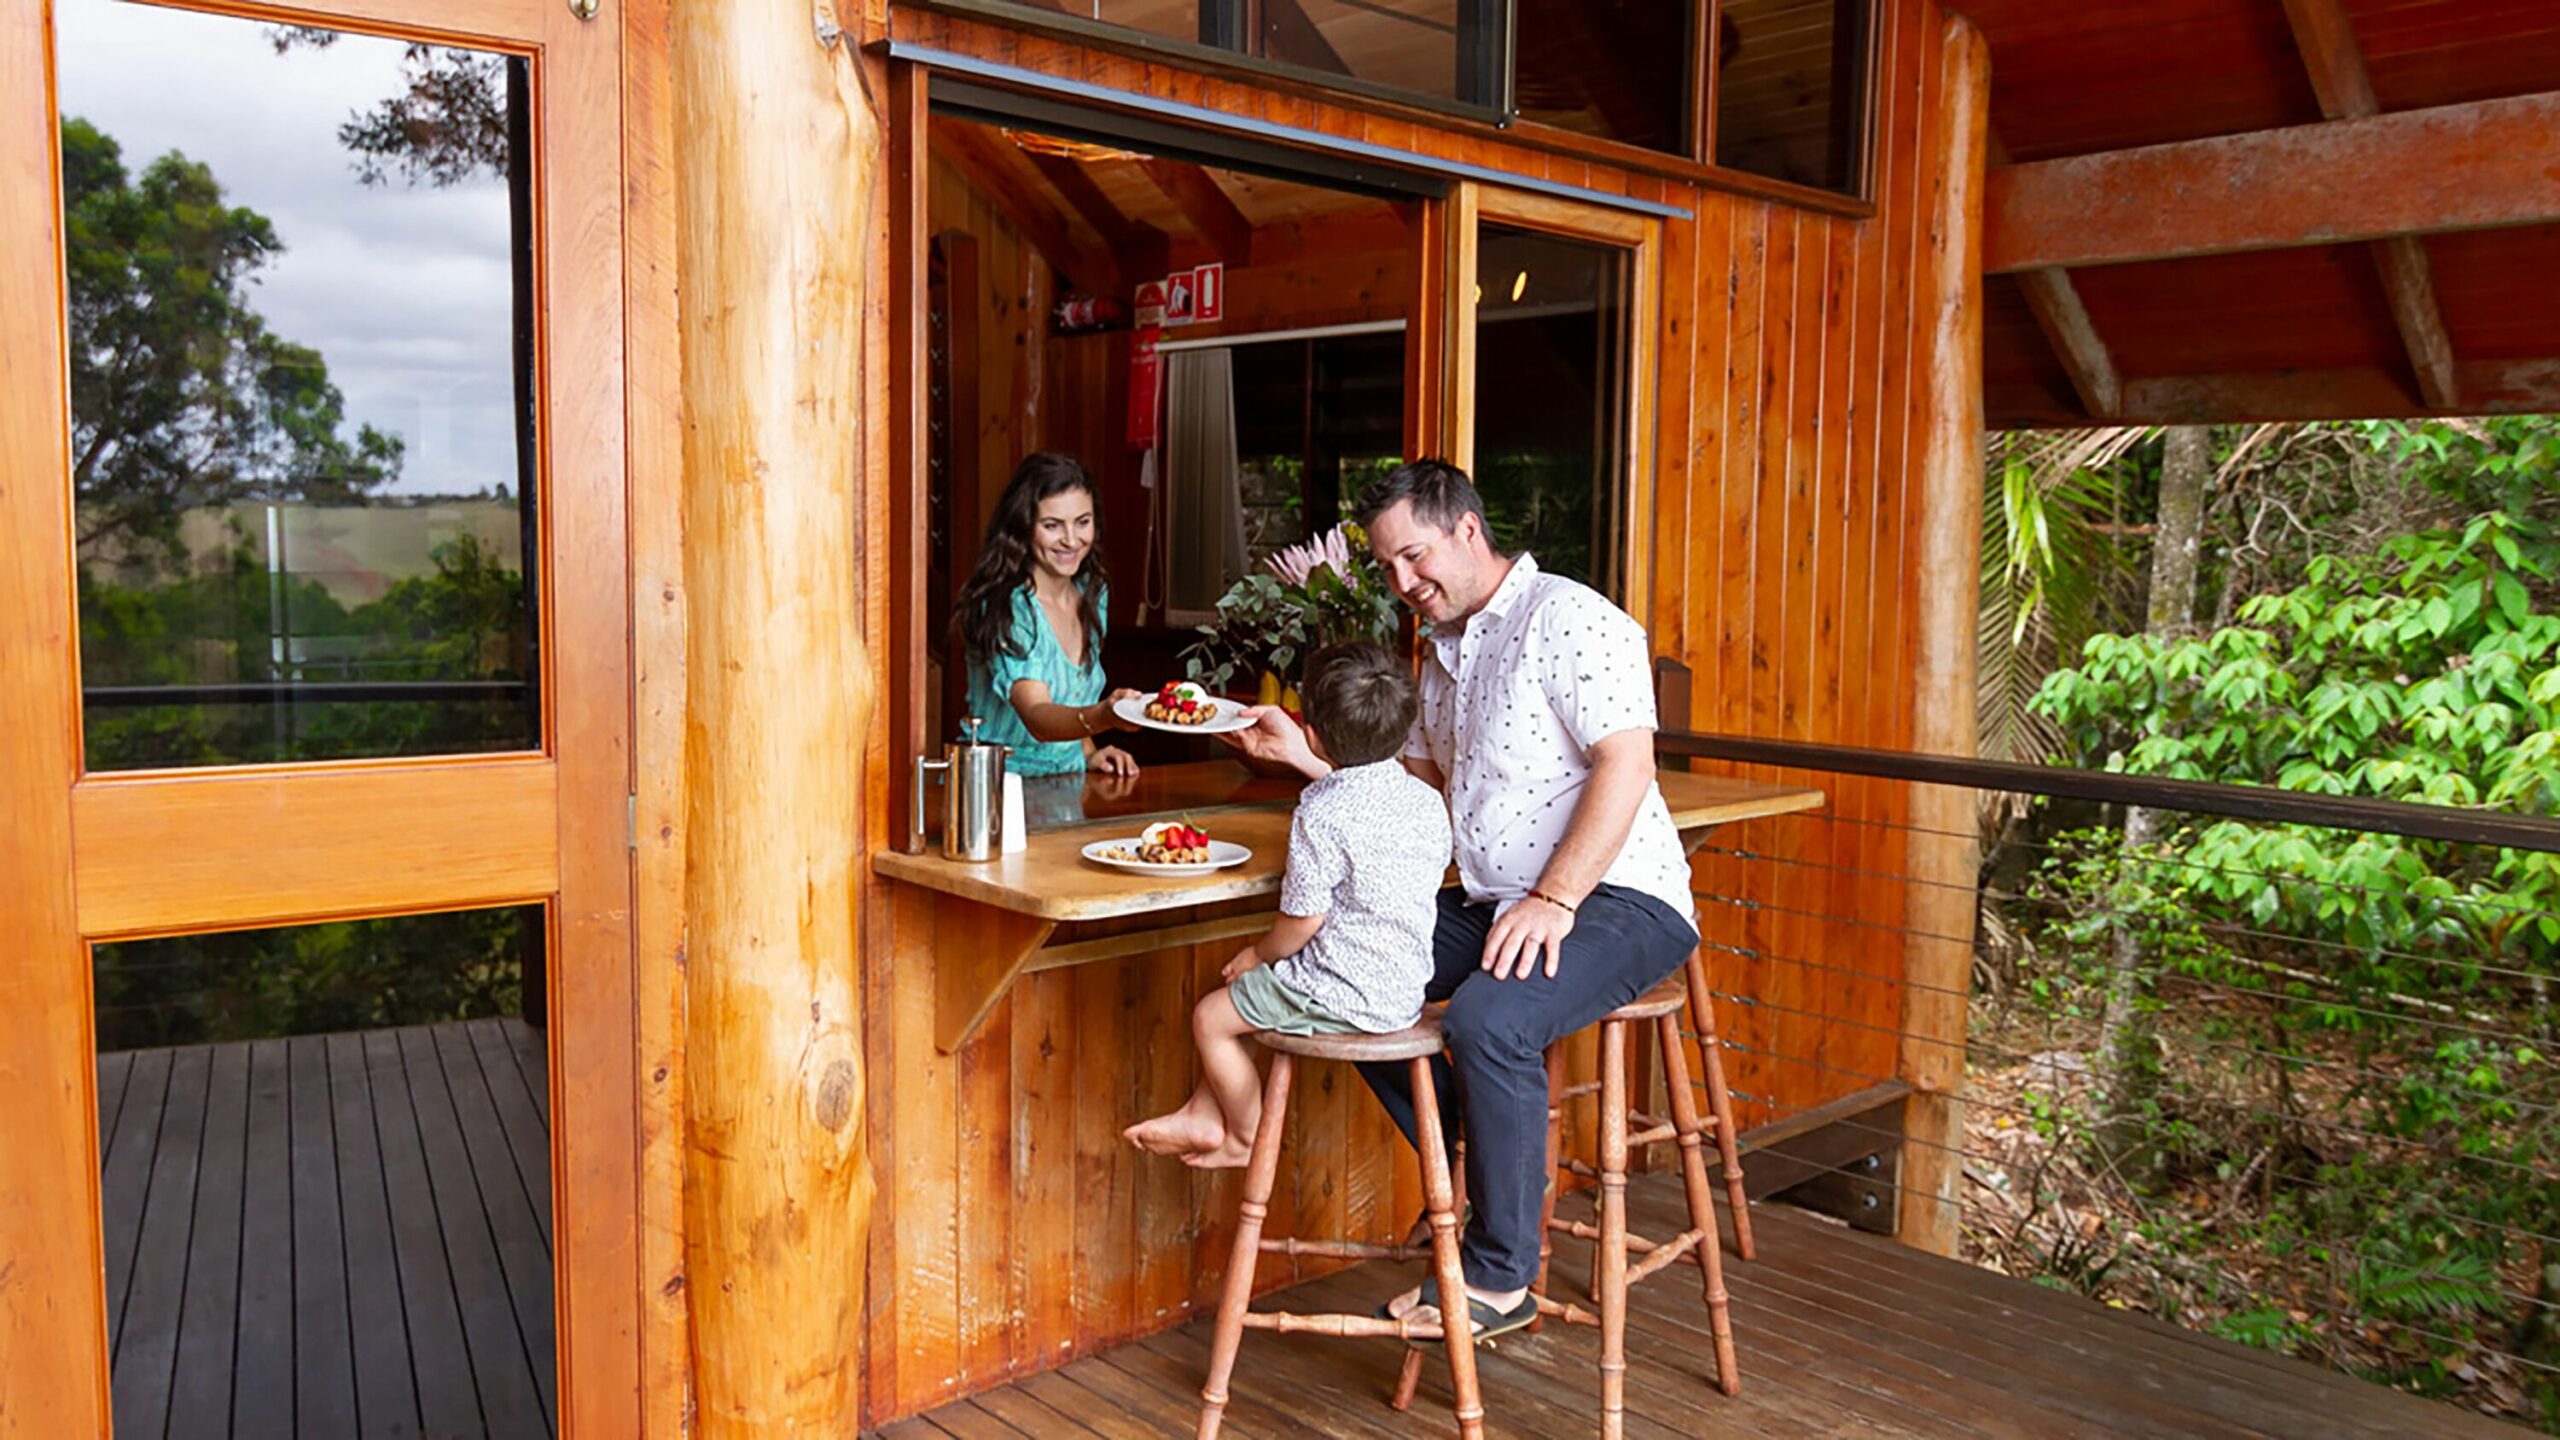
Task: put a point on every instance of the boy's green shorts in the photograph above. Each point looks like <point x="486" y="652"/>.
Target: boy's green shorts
<point x="1267" y="1003"/>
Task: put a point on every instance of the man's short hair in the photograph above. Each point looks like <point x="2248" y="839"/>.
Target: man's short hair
<point x="1440" y="492"/>
<point x="1361" y="701"/>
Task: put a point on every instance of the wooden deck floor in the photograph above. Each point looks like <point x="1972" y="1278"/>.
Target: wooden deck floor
<point x="340" y="1235"/>
<point x="1840" y="1333"/>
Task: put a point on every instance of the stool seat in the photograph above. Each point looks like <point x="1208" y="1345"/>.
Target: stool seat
<point x="1415" y="1040"/>
<point x="1663" y="999"/>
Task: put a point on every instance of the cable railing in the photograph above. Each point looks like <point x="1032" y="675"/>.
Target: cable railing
<point x="2302" y="1108"/>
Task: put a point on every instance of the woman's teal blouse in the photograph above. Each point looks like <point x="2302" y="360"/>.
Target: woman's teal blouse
<point x="1043" y="659"/>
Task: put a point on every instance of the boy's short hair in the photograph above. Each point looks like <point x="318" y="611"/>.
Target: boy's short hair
<point x="1440" y="492"/>
<point x="1361" y="701"/>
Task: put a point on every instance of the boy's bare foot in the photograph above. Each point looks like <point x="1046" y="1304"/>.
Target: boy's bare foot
<point x="1232" y="1154"/>
<point x="1181" y="1132"/>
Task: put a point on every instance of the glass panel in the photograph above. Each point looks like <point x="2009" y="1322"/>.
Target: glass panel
<point x="1791" y="90"/>
<point x="1618" y="69"/>
<point x="1551" y="446"/>
<point x="326" y="1182"/>
<point x="1441" y="50"/>
<point x="301" y="385"/>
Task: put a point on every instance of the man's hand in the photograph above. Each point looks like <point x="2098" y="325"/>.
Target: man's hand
<point x="1272" y="736"/>
<point x="1526" y="930"/>
<point x="1246" y="959"/>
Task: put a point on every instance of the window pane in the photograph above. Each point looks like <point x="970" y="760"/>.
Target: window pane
<point x="326" y="1184"/>
<point x="300" y="339"/>
<point x="1550" y="378"/>
<point x="1613" y="68"/>
<point x="1443" y="50"/>
<point x="1791" y="89"/>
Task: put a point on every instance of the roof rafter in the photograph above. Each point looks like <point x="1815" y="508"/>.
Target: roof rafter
<point x="1206" y="206"/>
<point x="2474" y="166"/>
<point x="2327" y="40"/>
<point x="2055" y="302"/>
<point x="1005" y="176"/>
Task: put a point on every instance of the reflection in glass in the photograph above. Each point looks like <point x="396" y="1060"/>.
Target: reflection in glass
<point x="1791" y="90"/>
<point x="1551" y="444"/>
<point x="301" y="360"/>
<point x="1618" y="69"/>
<point x="326" y="1186"/>
<point x="1444" y="50"/>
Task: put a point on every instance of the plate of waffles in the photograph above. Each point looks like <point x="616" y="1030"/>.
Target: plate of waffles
<point x="1183" y="708"/>
<point x="1172" y="848"/>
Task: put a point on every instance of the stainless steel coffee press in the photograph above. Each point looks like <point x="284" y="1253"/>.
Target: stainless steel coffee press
<point x="972" y="796"/>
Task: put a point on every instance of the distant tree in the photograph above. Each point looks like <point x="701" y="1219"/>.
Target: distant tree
<point x="448" y="123"/>
<point x="181" y="397"/>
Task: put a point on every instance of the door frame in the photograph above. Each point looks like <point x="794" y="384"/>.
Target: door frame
<point x="96" y="856"/>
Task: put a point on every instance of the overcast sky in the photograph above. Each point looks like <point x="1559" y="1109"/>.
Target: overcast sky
<point x="402" y="290"/>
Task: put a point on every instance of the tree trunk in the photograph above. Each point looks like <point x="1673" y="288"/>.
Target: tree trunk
<point x="779" y="158"/>
<point x="2128" y="1059"/>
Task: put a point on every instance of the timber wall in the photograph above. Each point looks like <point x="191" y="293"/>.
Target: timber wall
<point x="1013" y="1230"/>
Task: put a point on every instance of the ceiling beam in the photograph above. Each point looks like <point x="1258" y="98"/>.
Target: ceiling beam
<point x="1213" y="216"/>
<point x="2065" y="322"/>
<point x="2055" y="302"/>
<point x="1140" y="245"/>
<point x="2376" y="392"/>
<point x="2415" y="172"/>
<point x="1003" y="174"/>
<point x="2327" y="40"/>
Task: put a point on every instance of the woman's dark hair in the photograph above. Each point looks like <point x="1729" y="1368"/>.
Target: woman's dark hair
<point x="982" y="618"/>
<point x="1361" y="701"/>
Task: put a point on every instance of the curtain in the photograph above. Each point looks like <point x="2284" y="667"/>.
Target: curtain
<point x="1204" y="509"/>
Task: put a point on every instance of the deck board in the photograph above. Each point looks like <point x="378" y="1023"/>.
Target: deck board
<point x="330" y="1236"/>
<point x="1838" y="1333"/>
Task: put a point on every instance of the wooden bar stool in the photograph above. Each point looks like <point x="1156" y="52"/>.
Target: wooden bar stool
<point x="1235" y="1316"/>
<point x="1612" y="1274"/>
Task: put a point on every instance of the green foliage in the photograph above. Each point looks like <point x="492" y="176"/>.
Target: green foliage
<point x="2352" y="1031"/>
<point x="310" y="979"/>
<point x="181" y="397"/>
<point x="2049" y="564"/>
<point x="465" y="621"/>
<point x="1267" y="621"/>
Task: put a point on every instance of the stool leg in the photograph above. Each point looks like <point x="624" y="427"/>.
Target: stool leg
<point x="1258" y="1175"/>
<point x="1457" y="1332"/>
<point x="1702" y="1012"/>
<point x="1555" y="1158"/>
<point x="1609" y="1275"/>
<point x="1702" y="1203"/>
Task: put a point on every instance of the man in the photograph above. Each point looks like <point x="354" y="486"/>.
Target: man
<point x="1537" y="723"/>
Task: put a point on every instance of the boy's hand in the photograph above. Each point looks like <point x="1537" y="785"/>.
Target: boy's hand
<point x="1246" y="959"/>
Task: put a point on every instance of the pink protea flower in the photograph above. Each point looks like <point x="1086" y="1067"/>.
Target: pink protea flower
<point x="1294" y="563"/>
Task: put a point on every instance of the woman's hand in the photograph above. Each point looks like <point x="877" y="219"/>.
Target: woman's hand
<point x="1110" y="709"/>
<point x="1246" y="959"/>
<point x="1111" y="760"/>
<point x="1272" y="736"/>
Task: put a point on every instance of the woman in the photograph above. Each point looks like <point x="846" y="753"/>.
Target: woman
<point x="1030" y="623"/>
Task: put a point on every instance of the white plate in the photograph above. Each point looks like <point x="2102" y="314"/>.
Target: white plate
<point x="1222" y="853"/>
<point x="1228" y="717"/>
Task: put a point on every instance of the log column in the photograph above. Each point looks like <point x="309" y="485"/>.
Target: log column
<point x="778" y="155"/>
<point x="1940" y="899"/>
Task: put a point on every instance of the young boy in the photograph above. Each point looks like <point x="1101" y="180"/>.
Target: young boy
<point x="1351" y="947"/>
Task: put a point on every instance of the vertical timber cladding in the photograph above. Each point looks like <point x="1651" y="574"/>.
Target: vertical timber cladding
<point x="1796" y="355"/>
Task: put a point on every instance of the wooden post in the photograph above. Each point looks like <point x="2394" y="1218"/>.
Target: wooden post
<point x="779" y="166"/>
<point x="1940" y="898"/>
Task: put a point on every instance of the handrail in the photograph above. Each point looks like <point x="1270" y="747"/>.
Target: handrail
<point x="260" y="692"/>
<point x="2247" y="802"/>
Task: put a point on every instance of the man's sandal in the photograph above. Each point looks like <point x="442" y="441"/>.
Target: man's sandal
<point x="1488" y="1322"/>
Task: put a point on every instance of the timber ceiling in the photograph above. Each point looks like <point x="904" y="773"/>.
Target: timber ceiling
<point x="2310" y="248"/>
<point x="1108" y="219"/>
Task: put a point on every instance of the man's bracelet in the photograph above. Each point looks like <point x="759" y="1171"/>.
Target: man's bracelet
<point x="1550" y="899"/>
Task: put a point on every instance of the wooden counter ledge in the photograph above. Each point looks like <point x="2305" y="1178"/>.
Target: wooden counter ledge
<point x="1004" y="913"/>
